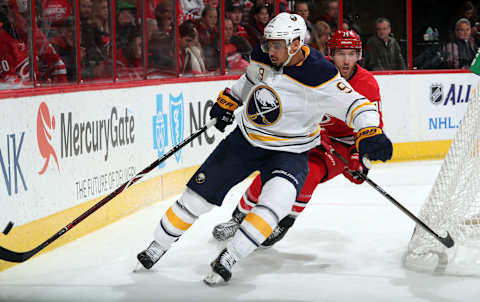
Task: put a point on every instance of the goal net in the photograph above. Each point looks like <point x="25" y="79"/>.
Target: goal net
<point x="453" y="205"/>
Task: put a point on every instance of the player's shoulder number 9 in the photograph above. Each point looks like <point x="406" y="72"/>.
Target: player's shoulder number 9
<point x="343" y="87"/>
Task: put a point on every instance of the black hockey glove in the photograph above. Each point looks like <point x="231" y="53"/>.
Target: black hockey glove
<point x="223" y="109"/>
<point x="372" y="143"/>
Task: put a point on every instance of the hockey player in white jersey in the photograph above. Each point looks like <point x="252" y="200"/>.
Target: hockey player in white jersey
<point x="285" y="91"/>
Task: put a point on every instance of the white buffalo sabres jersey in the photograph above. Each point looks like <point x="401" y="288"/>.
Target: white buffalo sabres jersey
<point x="282" y="108"/>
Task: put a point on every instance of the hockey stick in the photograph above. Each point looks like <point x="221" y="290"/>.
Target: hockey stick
<point x="446" y="241"/>
<point x="12" y="256"/>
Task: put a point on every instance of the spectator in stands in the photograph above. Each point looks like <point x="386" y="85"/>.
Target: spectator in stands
<point x="208" y="36"/>
<point x="301" y="8"/>
<point x="282" y="5"/>
<point x="211" y="3"/>
<point x="150" y="6"/>
<point x="462" y="50"/>
<point x="85" y="9"/>
<point x="14" y="50"/>
<point x="191" y="9"/>
<point x="331" y="14"/>
<point x="126" y="12"/>
<point x="64" y="44"/>
<point x="93" y="42"/>
<point x="129" y="61"/>
<point x="126" y="26"/>
<point x="207" y="26"/>
<point x="164" y="14"/>
<point x="321" y="35"/>
<point x="53" y="13"/>
<point x="161" y="44"/>
<point x="100" y="17"/>
<point x="261" y="16"/>
<point x="102" y="22"/>
<point x="246" y="7"/>
<point x="470" y="12"/>
<point x="162" y="53"/>
<point x="191" y="58"/>
<point x="383" y="51"/>
<point x="235" y="14"/>
<point x="237" y="49"/>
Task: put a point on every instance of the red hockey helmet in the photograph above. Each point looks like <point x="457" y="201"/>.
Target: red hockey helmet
<point x="344" y="39"/>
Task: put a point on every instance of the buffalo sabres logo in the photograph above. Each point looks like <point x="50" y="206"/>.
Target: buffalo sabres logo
<point x="200" y="178"/>
<point x="436" y="93"/>
<point x="264" y="107"/>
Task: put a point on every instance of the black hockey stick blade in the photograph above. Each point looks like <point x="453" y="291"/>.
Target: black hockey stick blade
<point x="446" y="241"/>
<point x="18" y="257"/>
<point x="12" y="256"/>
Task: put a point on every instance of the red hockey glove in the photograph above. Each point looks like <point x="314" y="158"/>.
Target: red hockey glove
<point x="325" y="141"/>
<point x="355" y="169"/>
<point x="223" y="109"/>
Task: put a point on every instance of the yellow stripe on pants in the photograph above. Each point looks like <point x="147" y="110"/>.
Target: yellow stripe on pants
<point x="176" y="221"/>
<point x="259" y="223"/>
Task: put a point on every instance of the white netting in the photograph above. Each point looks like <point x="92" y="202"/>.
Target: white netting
<point x="453" y="205"/>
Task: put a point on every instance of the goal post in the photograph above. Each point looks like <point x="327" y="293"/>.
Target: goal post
<point x="453" y="204"/>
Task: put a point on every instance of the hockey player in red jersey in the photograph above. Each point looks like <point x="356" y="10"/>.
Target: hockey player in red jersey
<point x="345" y="49"/>
<point x="14" y="51"/>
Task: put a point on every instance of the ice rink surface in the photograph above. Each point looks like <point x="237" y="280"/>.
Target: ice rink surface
<point x="346" y="246"/>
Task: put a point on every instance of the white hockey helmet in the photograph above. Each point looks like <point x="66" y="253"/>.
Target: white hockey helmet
<point x="287" y="27"/>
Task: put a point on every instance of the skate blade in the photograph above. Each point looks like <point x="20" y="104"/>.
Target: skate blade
<point x="139" y="268"/>
<point x="214" y="280"/>
<point x="264" y="247"/>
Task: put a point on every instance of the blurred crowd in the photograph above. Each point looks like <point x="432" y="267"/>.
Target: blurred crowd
<point x="197" y="49"/>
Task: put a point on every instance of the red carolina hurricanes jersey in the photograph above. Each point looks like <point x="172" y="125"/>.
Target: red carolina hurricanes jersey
<point x="364" y="83"/>
<point x="14" y="61"/>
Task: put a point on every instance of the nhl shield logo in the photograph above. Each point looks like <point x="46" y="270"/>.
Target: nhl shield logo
<point x="176" y="122"/>
<point x="436" y="93"/>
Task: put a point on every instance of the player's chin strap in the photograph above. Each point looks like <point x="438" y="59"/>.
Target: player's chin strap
<point x="290" y="55"/>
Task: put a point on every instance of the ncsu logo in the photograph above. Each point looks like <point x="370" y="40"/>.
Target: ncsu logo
<point x="45" y="125"/>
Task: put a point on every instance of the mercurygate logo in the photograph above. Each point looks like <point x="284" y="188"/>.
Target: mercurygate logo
<point x="78" y="137"/>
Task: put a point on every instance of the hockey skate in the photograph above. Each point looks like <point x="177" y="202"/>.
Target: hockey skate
<point x="279" y="232"/>
<point x="150" y="255"/>
<point x="277" y="235"/>
<point x="226" y="230"/>
<point x="221" y="269"/>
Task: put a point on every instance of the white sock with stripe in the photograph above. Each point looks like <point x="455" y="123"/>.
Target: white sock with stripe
<point x="180" y="217"/>
<point x="274" y="203"/>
